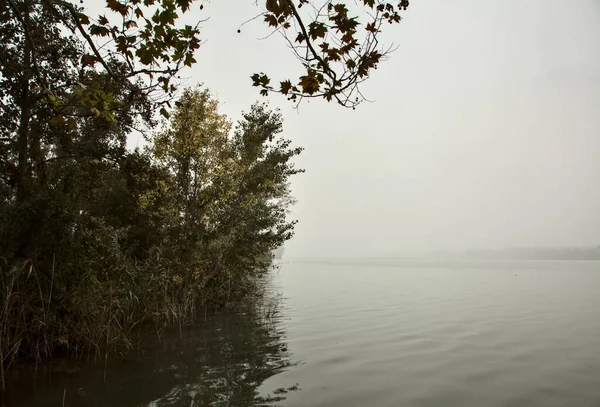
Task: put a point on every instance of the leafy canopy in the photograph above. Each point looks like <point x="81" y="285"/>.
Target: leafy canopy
<point x="337" y="47"/>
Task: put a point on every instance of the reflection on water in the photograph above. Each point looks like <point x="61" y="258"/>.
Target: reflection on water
<point x="443" y="334"/>
<point x="371" y="333"/>
<point x="222" y="362"/>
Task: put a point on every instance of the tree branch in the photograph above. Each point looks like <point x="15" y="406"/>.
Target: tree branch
<point x="327" y="70"/>
<point x="28" y="38"/>
<point x="85" y="35"/>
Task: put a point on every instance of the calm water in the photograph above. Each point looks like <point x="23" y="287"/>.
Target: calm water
<point x="372" y="333"/>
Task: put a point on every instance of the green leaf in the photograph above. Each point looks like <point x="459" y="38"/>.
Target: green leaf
<point x="53" y="100"/>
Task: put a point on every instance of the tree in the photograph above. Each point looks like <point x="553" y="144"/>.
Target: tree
<point x="107" y="239"/>
<point x="96" y="239"/>
<point x="336" y="47"/>
<point x="229" y="192"/>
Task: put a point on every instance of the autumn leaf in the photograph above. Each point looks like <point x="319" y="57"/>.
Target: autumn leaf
<point x="72" y="123"/>
<point x="99" y="30"/>
<point x="189" y="60"/>
<point x="371" y="28"/>
<point x="117" y="6"/>
<point x="309" y="83"/>
<point x="341" y="10"/>
<point x="129" y="24"/>
<point x="83" y="18"/>
<point x="347" y="24"/>
<point x="271" y="20"/>
<point x="58" y="121"/>
<point x="273" y="6"/>
<point x="286" y="86"/>
<point x="88" y="60"/>
<point x="317" y="30"/>
<point x="184" y="5"/>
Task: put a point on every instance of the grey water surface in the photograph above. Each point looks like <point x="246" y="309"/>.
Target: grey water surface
<point x="370" y="333"/>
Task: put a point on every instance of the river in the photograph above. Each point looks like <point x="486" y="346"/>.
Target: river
<point x="368" y="333"/>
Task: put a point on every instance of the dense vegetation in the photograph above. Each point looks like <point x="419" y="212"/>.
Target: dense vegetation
<point x="105" y="239"/>
<point x="96" y="239"/>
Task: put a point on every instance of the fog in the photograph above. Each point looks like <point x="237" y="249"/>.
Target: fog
<point x="484" y="131"/>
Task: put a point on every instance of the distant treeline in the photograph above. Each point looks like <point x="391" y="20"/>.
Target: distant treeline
<point x="538" y="253"/>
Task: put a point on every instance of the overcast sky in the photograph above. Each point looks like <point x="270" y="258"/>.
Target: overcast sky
<point x="485" y="131"/>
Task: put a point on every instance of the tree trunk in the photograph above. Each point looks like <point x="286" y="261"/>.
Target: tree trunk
<point x="23" y="133"/>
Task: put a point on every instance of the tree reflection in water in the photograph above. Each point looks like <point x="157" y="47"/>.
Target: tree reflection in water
<point x="222" y="362"/>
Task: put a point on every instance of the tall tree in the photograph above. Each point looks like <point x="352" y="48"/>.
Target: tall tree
<point x="230" y="191"/>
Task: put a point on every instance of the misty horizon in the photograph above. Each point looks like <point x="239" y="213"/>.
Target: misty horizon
<point x="486" y="136"/>
<point x="499" y="253"/>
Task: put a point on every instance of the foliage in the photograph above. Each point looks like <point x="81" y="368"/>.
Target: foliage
<point x="106" y="240"/>
<point x="97" y="240"/>
<point x="336" y="47"/>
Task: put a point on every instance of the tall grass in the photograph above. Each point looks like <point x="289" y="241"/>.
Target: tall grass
<point x="45" y="313"/>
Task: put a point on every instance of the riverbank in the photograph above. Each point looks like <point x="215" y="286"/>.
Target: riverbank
<point x="107" y="240"/>
<point x="226" y="355"/>
<point x="40" y="321"/>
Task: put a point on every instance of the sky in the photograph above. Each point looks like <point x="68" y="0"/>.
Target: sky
<point x="484" y="131"/>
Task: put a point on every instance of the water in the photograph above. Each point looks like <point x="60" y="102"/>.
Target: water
<point x="373" y="333"/>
